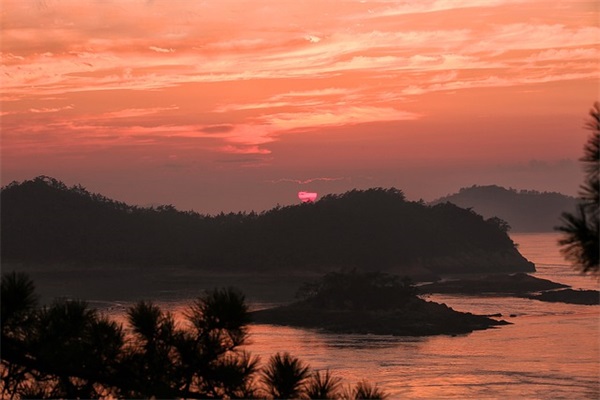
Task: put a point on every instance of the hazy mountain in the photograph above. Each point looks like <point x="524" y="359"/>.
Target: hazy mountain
<point x="45" y="221"/>
<point x="524" y="210"/>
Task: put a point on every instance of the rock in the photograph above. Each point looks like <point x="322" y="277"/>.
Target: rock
<point x="585" y="297"/>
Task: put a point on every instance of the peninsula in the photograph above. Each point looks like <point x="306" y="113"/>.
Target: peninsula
<point x="45" y="222"/>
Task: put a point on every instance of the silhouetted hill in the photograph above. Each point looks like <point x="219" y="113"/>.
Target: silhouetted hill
<point x="525" y="210"/>
<point x="43" y="220"/>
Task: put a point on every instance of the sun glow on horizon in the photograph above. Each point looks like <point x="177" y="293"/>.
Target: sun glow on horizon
<point x="307" y="197"/>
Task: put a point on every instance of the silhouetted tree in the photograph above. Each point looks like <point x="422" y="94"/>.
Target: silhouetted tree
<point x="62" y="350"/>
<point x="68" y="350"/>
<point x="581" y="241"/>
<point x="202" y="361"/>
<point x="364" y="390"/>
<point x="212" y="360"/>
<point x="323" y="385"/>
<point x="285" y="376"/>
<point x="151" y="368"/>
<point x="18" y="301"/>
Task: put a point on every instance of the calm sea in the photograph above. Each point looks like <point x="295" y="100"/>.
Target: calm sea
<point x="550" y="351"/>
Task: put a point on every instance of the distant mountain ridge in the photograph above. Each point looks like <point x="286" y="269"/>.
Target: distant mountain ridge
<point x="44" y="221"/>
<point x="524" y="210"/>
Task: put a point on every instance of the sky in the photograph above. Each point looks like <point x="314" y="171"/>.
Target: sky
<point x="233" y="105"/>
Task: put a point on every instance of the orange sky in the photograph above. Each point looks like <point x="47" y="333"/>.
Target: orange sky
<point x="238" y="105"/>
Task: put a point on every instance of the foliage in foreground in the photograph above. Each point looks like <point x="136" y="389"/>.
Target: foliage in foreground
<point x="581" y="240"/>
<point x="69" y="350"/>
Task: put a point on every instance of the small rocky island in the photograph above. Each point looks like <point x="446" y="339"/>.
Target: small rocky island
<point x="371" y="302"/>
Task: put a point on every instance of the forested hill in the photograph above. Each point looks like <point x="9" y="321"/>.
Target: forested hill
<point x="43" y="220"/>
<point x="525" y="210"/>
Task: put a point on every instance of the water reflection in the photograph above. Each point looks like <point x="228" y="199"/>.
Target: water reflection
<point x="551" y="350"/>
<point x="541" y="356"/>
<point x="543" y="250"/>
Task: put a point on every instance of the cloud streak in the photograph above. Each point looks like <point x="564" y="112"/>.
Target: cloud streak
<point x="200" y="72"/>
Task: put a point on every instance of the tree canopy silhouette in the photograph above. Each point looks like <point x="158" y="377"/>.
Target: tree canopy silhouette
<point x="581" y="240"/>
<point x="45" y="221"/>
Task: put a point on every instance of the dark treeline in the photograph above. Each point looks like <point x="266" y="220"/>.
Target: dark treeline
<point x="43" y="220"/>
<point x="524" y="210"/>
<point x="69" y="350"/>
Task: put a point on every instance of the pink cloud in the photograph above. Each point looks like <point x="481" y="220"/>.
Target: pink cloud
<point x="137" y="112"/>
<point x="275" y="71"/>
<point x="337" y="116"/>
<point x="243" y="150"/>
<point x="50" y="110"/>
<point x="161" y="50"/>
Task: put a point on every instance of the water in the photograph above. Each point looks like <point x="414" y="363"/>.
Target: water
<point x="551" y="350"/>
<point x="542" y="249"/>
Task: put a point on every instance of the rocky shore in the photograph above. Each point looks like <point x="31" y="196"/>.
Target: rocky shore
<point x="362" y="303"/>
<point x="494" y="283"/>
<point x="518" y="285"/>
<point x="371" y="303"/>
<point x="584" y="297"/>
<point x="418" y="318"/>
